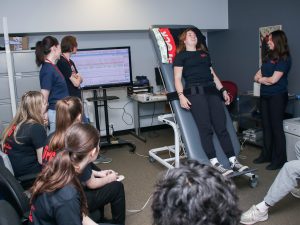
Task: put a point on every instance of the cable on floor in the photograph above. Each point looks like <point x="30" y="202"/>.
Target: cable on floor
<point x="141" y="155"/>
<point x="139" y="210"/>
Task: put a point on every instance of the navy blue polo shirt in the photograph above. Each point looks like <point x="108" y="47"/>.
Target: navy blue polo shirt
<point x="268" y="68"/>
<point x="51" y="79"/>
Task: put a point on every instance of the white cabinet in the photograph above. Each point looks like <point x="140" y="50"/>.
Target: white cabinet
<point x="26" y="77"/>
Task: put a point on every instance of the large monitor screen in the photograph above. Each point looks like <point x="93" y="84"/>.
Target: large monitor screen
<point x="105" y="67"/>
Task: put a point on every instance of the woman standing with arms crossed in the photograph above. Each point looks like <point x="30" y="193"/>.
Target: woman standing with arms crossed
<point x="52" y="81"/>
<point x="193" y="64"/>
<point x="67" y="66"/>
<point x="273" y="77"/>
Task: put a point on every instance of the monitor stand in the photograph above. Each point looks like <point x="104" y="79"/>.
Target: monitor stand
<point x="107" y="141"/>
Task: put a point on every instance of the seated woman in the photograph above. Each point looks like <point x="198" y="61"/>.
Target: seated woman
<point x="193" y="63"/>
<point x="69" y="111"/>
<point x="24" y="138"/>
<point x="100" y="187"/>
<point x="57" y="195"/>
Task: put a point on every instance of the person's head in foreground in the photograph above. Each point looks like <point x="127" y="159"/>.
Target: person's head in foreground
<point x="195" y="194"/>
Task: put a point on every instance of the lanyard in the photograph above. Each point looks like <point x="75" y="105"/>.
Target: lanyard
<point x="55" y="67"/>
<point x="70" y="64"/>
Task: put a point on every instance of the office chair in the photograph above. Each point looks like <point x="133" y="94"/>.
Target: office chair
<point x="8" y="214"/>
<point x="232" y="90"/>
<point x="14" y="192"/>
<point x="26" y="180"/>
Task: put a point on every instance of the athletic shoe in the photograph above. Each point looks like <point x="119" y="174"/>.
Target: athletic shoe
<point x="296" y="192"/>
<point x="253" y="215"/>
<point x="102" y="159"/>
<point x="222" y="169"/>
<point x="238" y="167"/>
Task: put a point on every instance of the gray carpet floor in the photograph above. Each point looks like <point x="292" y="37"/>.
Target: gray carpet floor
<point x="141" y="175"/>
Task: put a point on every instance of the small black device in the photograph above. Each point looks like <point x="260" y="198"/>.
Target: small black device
<point x="158" y="79"/>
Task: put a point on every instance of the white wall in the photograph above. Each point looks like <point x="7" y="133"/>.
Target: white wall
<point x="34" y="16"/>
<point x="111" y="23"/>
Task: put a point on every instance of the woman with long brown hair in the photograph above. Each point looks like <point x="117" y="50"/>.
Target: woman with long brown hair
<point x="273" y="77"/>
<point x="24" y="138"/>
<point x="101" y="187"/>
<point x="68" y="112"/>
<point x="204" y="99"/>
<point x="57" y="195"/>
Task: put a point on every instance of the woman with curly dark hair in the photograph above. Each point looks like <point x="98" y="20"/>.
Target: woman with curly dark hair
<point x="195" y="194"/>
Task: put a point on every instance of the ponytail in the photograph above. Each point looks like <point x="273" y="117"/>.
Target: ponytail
<point x="43" y="48"/>
<point x="39" y="53"/>
<point x="57" y="174"/>
<point x="80" y="140"/>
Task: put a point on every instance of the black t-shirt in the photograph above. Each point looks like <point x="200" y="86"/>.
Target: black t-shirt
<point x="23" y="156"/>
<point x="67" y="68"/>
<point x="196" y="67"/>
<point x="61" y="207"/>
<point x="86" y="174"/>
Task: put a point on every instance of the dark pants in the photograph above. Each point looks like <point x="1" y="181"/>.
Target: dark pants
<point x="272" y="111"/>
<point x="112" y="193"/>
<point x="208" y="112"/>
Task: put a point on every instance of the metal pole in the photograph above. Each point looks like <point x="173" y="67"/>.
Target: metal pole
<point x="9" y="68"/>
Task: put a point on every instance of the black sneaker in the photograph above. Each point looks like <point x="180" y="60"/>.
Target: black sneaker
<point x="222" y="169"/>
<point x="238" y="167"/>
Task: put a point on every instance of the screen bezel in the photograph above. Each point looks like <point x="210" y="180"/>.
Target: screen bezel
<point x="97" y="86"/>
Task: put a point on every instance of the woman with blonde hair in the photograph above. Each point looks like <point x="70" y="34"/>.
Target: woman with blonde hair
<point x="24" y="138"/>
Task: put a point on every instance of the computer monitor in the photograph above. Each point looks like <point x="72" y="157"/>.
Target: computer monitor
<point x="104" y="67"/>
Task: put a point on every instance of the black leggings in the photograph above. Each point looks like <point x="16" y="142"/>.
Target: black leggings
<point x="112" y="193"/>
<point x="208" y="112"/>
<point x="272" y="111"/>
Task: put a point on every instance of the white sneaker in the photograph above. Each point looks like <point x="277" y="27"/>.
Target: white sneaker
<point x="253" y="215"/>
<point x="238" y="167"/>
<point x="222" y="169"/>
<point x="296" y="192"/>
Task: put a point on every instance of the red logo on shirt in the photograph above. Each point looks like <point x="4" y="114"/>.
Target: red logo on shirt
<point x="7" y="146"/>
<point x="47" y="155"/>
<point x="32" y="208"/>
<point x="203" y="55"/>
